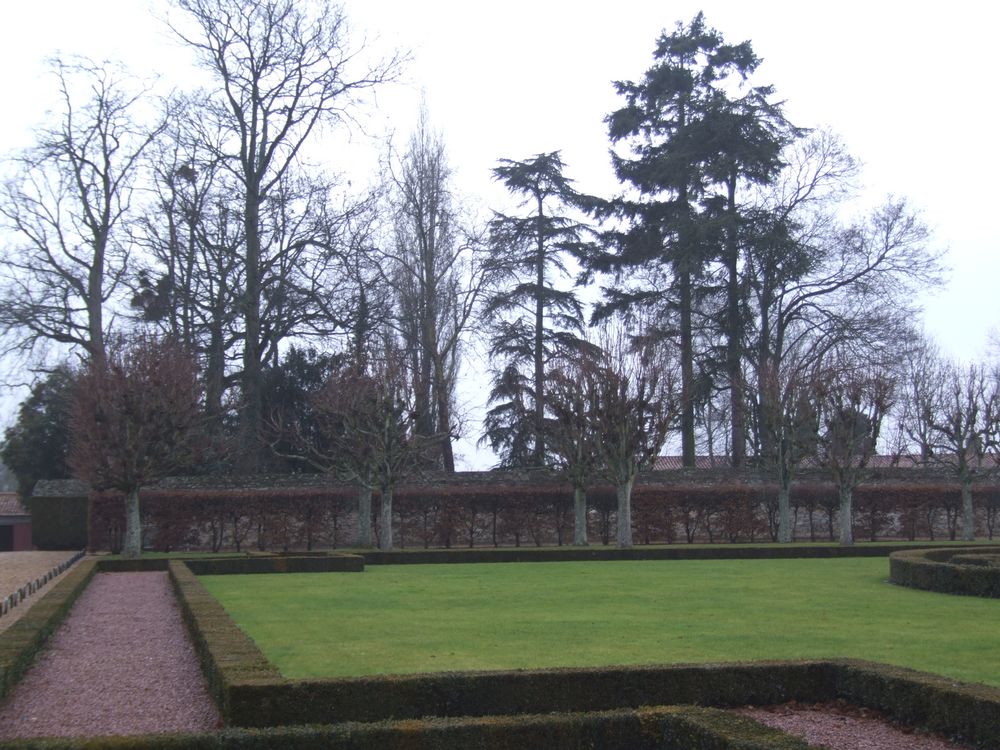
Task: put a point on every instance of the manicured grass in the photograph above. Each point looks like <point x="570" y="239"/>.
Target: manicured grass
<point x="422" y="618"/>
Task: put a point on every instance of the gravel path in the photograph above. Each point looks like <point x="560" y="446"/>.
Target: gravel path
<point x="841" y="727"/>
<point x="19" y="568"/>
<point x="120" y="664"/>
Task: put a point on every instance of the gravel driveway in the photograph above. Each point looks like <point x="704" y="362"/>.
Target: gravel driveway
<point x="19" y="568"/>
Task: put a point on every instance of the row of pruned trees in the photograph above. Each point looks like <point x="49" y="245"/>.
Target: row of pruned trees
<point x="137" y="416"/>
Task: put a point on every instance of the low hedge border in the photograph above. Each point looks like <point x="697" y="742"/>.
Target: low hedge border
<point x="677" y="552"/>
<point x="943" y="571"/>
<point x="969" y="712"/>
<point x="660" y="728"/>
<point x="25" y="637"/>
<point x="251" y="693"/>
<point x="227" y="655"/>
<point x="327" y="563"/>
<point x="974" y="559"/>
<point x="495" y="693"/>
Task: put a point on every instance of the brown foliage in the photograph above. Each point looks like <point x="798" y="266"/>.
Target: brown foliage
<point x="137" y="415"/>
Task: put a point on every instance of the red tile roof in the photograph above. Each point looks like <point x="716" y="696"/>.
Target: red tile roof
<point x="904" y="461"/>
<point x="10" y="505"/>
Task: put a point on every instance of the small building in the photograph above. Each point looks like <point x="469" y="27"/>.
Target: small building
<point x="15" y="524"/>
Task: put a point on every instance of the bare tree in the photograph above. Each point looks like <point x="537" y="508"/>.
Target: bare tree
<point x="365" y="432"/>
<point x="439" y="272"/>
<point x="818" y="283"/>
<point x="571" y="435"/>
<point x="283" y="70"/>
<point x="190" y="286"/>
<point x="953" y="417"/>
<point x="67" y="206"/>
<point x="789" y="420"/>
<point x="852" y="400"/>
<point x="137" y="417"/>
<point x="634" y="404"/>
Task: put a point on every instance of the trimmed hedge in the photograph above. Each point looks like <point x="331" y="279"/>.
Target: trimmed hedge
<point x="325" y="563"/>
<point x="547" y="708"/>
<point x="988" y="560"/>
<point x="367" y="699"/>
<point x="660" y="728"/>
<point x="26" y="637"/>
<point x="942" y="570"/>
<point x="679" y="552"/>
<point x="226" y="654"/>
<point x="970" y="712"/>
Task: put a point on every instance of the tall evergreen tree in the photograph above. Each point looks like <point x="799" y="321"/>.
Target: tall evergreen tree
<point x="534" y="320"/>
<point x="690" y="136"/>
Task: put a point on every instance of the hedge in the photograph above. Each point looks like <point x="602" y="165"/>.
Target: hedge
<point x="944" y="571"/>
<point x="226" y="654"/>
<point x="969" y="712"/>
<point x="679" y="552"/>
<point x="660" y="728"/>
<point x="26" y="636"/>
<point x="552" y="708"/>
<point x="287" y="518"/>
<point x="326" y="563"/>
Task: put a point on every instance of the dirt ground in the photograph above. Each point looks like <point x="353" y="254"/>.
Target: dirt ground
<point x="19" y="568"/>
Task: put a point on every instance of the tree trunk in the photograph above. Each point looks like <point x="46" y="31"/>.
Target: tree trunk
<point x="385" y="520"/>
<point x="539" y="342"/>
<point x="579" y="517"/>
<point x="133" y="526"/>
<point x="784" y="516"/>
<point x="687" y="370"/>
<point x="444" y="415"/>
<point x="846" y="527"/>
<point x="968" y="518"/>
<point x="365" y="517"/>
<point x="250" y="380"/>
<point x="624" y="492"/>
<point x="734" y="335"/>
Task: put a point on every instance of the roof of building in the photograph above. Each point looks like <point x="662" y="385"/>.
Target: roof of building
<point x="882" y="461"/>
<point x="10" y="505"/>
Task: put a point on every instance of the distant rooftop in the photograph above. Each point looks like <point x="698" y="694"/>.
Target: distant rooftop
<point x="10" y="505"/>
<point x="887" y="461"/>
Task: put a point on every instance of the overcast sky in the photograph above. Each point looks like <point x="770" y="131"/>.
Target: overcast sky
<point x="910" y="87"/>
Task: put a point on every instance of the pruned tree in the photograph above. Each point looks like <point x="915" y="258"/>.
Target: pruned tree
<point x="534" y="318"/>
<point x="952" y="415"/>
<point x="571" y="433"/>
<point x="789" y="420"/>
<point x="365" y="432"/>
<point x="633" y="406"/>
<point x="67" y="207"/>
<point x="137" y="417"/>
<point x="283" y="70"/>
<point x="852" y="400"/>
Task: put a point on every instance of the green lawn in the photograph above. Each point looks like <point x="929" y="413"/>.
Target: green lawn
<point x="421" y="618"/>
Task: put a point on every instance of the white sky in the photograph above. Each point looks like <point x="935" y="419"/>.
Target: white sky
<point x="909" y="86"/>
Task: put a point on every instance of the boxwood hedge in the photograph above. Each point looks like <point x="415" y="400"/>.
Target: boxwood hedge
<point x="948" y="570"/>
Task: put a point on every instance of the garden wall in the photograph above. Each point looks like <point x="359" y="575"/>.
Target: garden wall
<point x="306" y="519"/>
